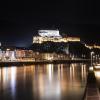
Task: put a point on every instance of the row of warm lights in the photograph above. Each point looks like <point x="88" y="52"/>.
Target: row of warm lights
<point x="93" y="46"/>
<point x="39" y="39"/>
<point x="15" y="55"/>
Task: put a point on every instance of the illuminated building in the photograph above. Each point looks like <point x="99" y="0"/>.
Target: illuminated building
<point x="49" y="33"/>
<point x="52" y="36"/>
<point x="92" y="46"/>
<point x="23" y="53"/>
<point x="73" y="39"/>
<point x="9" y="54"/>
<point x="19" y="53"/>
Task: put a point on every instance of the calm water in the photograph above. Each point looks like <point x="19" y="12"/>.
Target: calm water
<point x="43" y="82"/>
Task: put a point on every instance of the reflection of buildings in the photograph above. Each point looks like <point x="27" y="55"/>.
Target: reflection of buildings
<point x="97" y="75"/>
<point x="54" y="80"/>
<point x="46" y="82"/>
<point x="52" y="36"/>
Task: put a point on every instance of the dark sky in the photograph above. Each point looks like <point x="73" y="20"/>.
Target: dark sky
<point x="20" y="20"/>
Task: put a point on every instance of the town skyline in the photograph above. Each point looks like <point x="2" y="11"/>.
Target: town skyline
<point x="19" y="21"/>
<point x="27" y="40"/>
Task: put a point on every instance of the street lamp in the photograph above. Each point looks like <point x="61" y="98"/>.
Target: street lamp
<point x="91" y="57"/>
<point x="91" y="67"/>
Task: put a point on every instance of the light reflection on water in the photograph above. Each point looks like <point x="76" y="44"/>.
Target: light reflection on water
<point x="97" y="75"/>
<point x="43" y="82"/>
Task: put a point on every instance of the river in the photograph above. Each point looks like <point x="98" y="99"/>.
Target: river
<point x="43" y="82"/>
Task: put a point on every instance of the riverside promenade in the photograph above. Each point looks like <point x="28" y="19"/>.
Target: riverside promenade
<point x="8" y="63"/>
<point x="92" y="90"/>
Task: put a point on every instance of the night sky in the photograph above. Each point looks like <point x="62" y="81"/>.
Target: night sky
<point x="20" y="20"/>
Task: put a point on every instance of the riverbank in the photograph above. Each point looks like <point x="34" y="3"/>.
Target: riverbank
<point x="92" y="90"/>
<point x="17" y="63"/>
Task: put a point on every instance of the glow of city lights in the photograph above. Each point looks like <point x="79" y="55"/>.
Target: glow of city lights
<point x="52" y="35"/>
<point x="97" y="67"/>
<point x="50" y="71"/>
<point x="5" y="76"/>
<point x="98" y="64"/>
<point x="8" y="49"/>
<point x="13" y="56"/>
<point x="49" y="33"/>
<point x="13" y="80"/>
<point x="83" y="71"/>
<point x="97" y="74"/>
<point x="7" y="53"/>
<point x="91" y="68"/>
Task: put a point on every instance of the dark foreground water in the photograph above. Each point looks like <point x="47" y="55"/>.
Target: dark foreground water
<point x="43" y="82"/>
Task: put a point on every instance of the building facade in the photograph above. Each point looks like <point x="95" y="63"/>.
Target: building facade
<point x="52" y="36"/>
